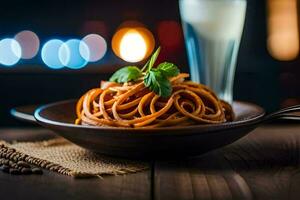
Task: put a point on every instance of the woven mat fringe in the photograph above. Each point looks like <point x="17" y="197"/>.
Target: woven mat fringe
<point x="61" y="156"/>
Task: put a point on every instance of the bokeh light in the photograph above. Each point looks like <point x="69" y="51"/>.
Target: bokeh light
<point x="133" y="44"/>
<point x="97" y="47"/>
<point x="283" y="33"/>
<point x="29" y="43"/>
<point x="10" y="51"/>
<point x="172" y="41"/>
<point x="74" y="54"/>
<point x="50" y="53"/>
<point x="133" y="47"/>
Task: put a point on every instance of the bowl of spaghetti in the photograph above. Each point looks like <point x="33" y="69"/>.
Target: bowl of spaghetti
<point x="134" y="105"/>
<point x="149" y="113"/>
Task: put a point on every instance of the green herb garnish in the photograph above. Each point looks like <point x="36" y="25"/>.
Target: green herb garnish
<point x="153" y="58"/>
<point x="126" y="74"/>
<point x="168" y="69"/>
<point x="156" y="79"/>
<point x="158" y="83"/>
<point x="149" y="64"/>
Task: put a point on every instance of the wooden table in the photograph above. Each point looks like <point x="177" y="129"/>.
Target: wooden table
<point x="263" y="165"/>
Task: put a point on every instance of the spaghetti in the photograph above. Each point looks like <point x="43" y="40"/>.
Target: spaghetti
<point x="134" y="105"/>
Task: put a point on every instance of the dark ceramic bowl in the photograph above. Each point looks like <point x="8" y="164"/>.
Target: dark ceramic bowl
<point x="24" y="113"/>
<point x="148" y="143"/>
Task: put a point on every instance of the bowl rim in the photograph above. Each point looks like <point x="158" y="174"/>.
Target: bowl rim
<point x="204" y="127"/>
<point x="24" y="116"/>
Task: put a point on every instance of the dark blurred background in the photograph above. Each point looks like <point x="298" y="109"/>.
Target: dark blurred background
<point x="267" y="69"/>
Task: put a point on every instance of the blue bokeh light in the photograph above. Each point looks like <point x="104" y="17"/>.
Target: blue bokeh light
<point x="10" y="51"/>
<point x="73" y="54"/>
<point x="50" y="54"/>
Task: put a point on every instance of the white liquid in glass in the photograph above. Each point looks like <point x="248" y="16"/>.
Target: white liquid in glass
<point x="213" y="30"/>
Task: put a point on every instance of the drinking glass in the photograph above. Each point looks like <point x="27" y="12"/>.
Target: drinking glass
<point x="212" y="30"/>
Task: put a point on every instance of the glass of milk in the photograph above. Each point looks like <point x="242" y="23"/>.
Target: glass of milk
<point x="213" y="30"/>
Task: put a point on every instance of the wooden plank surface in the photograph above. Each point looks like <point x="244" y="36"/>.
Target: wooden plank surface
<point x="263" y="165"/>
<point x="55" y="186"/>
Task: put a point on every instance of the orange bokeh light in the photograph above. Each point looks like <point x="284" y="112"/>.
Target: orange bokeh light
<point x="283" y="33"/>
<point x="133" y="44"/>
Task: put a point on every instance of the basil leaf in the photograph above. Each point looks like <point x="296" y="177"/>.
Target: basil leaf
<point x="145" y="66"/>
<point x="153" y="58"/>
<point x="168" y="69"/>
<point x="126" y="74"/>
<point x="158" y="83"/>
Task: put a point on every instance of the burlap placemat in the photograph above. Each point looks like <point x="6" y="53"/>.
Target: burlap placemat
<point x="66" y="158"/>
